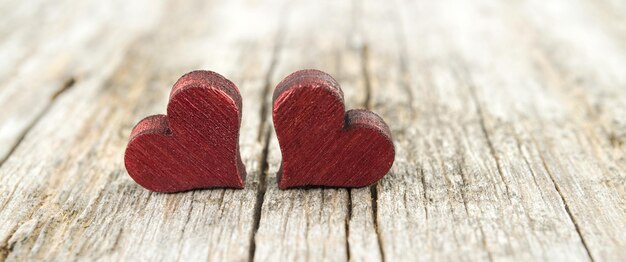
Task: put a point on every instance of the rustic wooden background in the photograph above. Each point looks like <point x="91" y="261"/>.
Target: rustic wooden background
<point x="509" y="120"/>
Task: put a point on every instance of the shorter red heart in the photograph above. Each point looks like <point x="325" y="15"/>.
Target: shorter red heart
<point x="196" y="145"/>
<point x="321" y="144"/>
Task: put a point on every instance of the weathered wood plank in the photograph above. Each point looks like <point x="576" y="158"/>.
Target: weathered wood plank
<point x="74" y="199"/>
<point x="507" y="118"/>
<point x="317" y="224"/>
<point x="471" y="194"/>
<point x="592" y="81"/>
<point x="55" y="45"/>
<point x="582" y="59"/>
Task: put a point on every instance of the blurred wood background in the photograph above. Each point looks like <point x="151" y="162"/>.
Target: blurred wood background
<point x="509" y="120"/>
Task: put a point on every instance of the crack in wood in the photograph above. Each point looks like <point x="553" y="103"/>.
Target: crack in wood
<point x="567" y="209"/>
<point x="265" y="138"/>
<point x="264" y="132"/>
<point x="67" y="85"/>
<point x="267" y="88"/>
<point x="527" y="163"/>
<point x="379" y="237"/>
<point x="260" y="197"/>
<point x="367" y="105"/>
<point x="348" y="218"/>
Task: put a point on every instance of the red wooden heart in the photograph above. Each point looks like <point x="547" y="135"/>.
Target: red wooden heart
<point x="196" y="144"/>
<point x="321" y="144"/>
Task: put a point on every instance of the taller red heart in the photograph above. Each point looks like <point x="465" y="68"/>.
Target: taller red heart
<point x="196" y="145"/>
<point x="321" y="144"/>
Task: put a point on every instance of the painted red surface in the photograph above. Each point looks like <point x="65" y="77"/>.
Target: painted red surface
<point x="196" y="144"/>
<point x="321" y="144"/>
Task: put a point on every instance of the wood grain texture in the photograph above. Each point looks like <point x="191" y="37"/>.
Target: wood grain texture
<point x="314" y="223"/>
<point x="64" y="48"/>
<point x="321" y="144"/>
<point x="74" y="200"/>
<point x="507" y="120"/>
<point x="194" y="146"/>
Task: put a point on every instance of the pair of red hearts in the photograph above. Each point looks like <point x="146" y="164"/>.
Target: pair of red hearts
<point x="196" y="144"/>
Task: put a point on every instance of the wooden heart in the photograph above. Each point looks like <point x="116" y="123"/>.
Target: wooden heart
<point x="196" y="145"/>
<point x="321" y="144"/>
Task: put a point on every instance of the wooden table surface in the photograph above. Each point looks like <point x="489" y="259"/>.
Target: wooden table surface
<point x="508" y="117"/>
